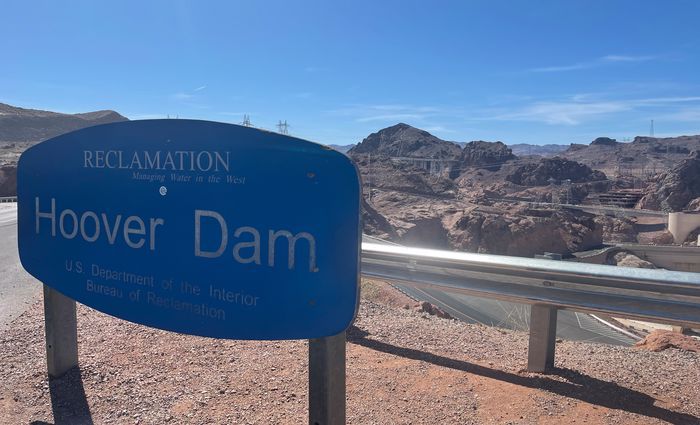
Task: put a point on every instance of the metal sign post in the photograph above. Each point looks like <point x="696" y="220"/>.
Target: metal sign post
<point x="327" y="380"/>
<point x="61" y="332"/>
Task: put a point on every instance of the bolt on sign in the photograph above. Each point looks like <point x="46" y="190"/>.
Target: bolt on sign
<point x="196" y="227"/>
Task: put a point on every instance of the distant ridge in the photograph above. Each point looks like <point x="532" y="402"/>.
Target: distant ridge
<point x="33" y="125"/>
<point x="524" y="149"/>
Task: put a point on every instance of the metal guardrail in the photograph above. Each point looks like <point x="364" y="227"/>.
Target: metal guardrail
<point x="652" y="295"/>
<point x="8" y="199"/>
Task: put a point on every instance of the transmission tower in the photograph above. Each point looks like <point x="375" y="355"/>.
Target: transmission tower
<point x="651" y="129"/>
<point x="246" y="121"/>
<point x="283" y="127"/>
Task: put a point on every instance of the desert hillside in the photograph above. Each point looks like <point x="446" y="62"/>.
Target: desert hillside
<point x="21" y="128"/>
<point x="33" y="125"/>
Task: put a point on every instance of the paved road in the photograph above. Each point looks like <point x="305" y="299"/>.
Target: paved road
<point x="570" y="325"/>
<point x="18" y="290"/>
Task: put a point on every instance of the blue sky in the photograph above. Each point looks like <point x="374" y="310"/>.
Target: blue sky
<point x="517" y="71"/>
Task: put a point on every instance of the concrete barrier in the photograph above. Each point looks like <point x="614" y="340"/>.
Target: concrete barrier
<point x="681" y="224"/>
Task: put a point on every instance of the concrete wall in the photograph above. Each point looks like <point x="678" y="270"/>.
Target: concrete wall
<point x="681" y="224"/>
<point x="678" y="258"/>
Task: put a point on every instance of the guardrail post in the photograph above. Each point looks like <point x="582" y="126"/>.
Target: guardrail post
<point x="327" y="380"/>
<point x="543" y="331"/>
<point x="61" y="327"/>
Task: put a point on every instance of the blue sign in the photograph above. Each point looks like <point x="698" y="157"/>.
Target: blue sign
<point x="196" y="227"/>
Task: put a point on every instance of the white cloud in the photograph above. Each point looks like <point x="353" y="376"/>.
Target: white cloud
<point x="581" y="108"/>
<point x="601" y="61"/>
<point x="626" y="58"/>
<point x="566" y="113"/>
<point x="684" y="115"/>
<point x="184" y="95"/>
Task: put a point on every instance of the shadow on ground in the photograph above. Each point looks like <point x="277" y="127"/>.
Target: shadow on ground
<point x="578" y="386"/>
<point x="68" y="401"/>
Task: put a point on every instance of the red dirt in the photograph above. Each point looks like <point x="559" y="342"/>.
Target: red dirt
<point x="403" y="367"/>
<point x="660" y="340"/>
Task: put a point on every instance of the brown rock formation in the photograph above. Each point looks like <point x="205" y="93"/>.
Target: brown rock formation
<point x="540" y="173"/>
<point x="677" y="189"/>
<point x="525" y="233"/>
<point x="660" y="340"/>
<point x="627" y="259"/>
<point x="482" y="153"/>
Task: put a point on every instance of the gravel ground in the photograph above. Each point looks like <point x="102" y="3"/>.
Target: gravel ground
<point x="404" y="367"/>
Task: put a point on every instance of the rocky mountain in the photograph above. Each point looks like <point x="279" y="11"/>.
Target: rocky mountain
<point x="540" y="173"/>
<point x="676" y="190"/>
<point x="485" y="153"/>
<point x="33" y="125"/>
<point x="424" y="191"/>
<point x="483" y="197"/>
<point x="402" y="140"/>
<point x="644" y="156"/>
<point x="523" y="149"/>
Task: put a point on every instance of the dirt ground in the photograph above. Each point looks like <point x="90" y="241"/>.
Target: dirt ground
<point x="403" y="367"/>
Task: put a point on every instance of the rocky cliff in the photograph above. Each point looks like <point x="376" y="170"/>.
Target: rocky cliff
<point x="524" y="149"/>
<point x="456" y="202"/>
<point x="540" y="173"/>
<point x="677" y="189"/>
<point x="524" y="232"/>
<point x="642" y="156"/>
<point x="485" y="153"/>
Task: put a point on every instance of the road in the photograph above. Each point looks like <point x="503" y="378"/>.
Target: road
<point x="570" y="325"/>
<point x="18" y="290"/>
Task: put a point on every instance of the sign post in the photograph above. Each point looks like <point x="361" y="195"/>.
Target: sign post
<point x="196" y="227"/>
<point x="327" y="380"/>
<point x="61" y="332"/>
